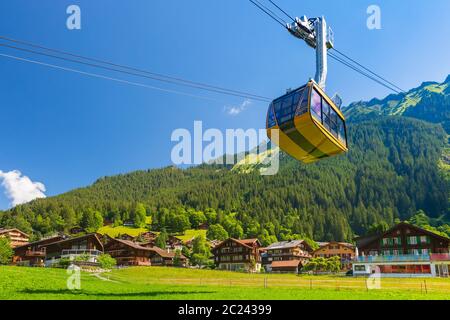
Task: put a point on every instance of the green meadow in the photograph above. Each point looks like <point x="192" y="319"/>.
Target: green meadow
<point x="149" y="283"/>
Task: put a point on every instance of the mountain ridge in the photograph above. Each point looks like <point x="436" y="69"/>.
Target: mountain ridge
<point x="430" y="102"/>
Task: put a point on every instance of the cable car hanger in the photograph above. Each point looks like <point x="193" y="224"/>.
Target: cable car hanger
<point x="320" y="37"/>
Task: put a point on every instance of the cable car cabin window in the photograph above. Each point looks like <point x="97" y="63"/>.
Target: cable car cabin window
<point x="326" y="114"/>
<point x="277" y="108"/>
<point x="316" y="105"/>
<point x="287" y="110"/>
<point x="325" y="109"/>
<point x="302" y="108"/>
<point x="341" y="133"/>
<point x="271" y="117"/>
<point x="334" y="123"/>
<point x="296" y="98"/>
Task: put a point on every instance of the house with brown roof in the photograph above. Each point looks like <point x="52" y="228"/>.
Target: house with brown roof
<point x="404" y="250"/>
<point x="174" y="243"/>
<point x="50" y="251"/>
<point x="89" y="247"/>
<point x="238" y="255"/>
<point x="128" y="253"/>
<point x="148" y="236"/>
<point x="15" y="236"/>
<point x="33" y="254"/>
<point x="287" y="256"/>
<point x="286" y="266"/>
<point x="160" y="257"/>
<point x="345" y="251"/>
<point x="126" y="236"/>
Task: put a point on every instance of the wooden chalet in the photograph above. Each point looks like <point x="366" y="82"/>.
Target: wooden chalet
<point x="404" y="250"/>
<point x="126" y="236"/>
<point x="34" y="254"/>
<point x="233" y="254"/>
<point x="160" y="257"/>
<point x="128" y="253"/>
<point x="77" y="230"/>
<point x="204" y="226"/>
<point x="345" y="251"/>
<point x="88" y="246"/>
<point x="286" y="266"/>
<point x="174" y="243"/>
<point x="128" y="223"/>
<point x="278" y="255"/>
<point x="148" y="236"/>
<point x="16" y="237"/>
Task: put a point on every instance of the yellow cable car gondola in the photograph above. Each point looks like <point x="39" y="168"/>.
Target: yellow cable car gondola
<point x="311" y="127"/>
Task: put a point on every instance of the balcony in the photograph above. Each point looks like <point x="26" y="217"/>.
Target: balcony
<point x="288" y="254"/>
<point x="80" y="252"/>
<point x="440" y="257"/>
<point x="394" y="258"/>
<point x="35" y="254"/>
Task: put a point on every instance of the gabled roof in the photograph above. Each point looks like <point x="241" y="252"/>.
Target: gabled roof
<point x="2" y="231"/>
<point x="248" y="243"/>
<point x="45" y="240"/>
<point x="130" y="244"/>
<point x="286" y="264"/>
<point x="285" y="244"/>
<point x="90" y="235"/>
<point x="366" y="240"/>
<point x="174" y="238"/>
<point x="164" y="253"/>
<point x="345" y="244"/>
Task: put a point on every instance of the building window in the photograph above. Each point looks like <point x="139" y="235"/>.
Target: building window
<point x="360" y="268"/>
<point x="397" y="241"/>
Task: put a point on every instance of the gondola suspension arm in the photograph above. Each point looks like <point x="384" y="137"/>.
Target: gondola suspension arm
<point x="319" y="36"/>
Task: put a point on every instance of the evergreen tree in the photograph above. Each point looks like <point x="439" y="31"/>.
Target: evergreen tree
<point x="161" y="240"/>
<point x="6" y="252"/>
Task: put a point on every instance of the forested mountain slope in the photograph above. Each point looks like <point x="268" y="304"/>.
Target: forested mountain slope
<point x="390" y="173"/>
<point x="430" y="102"/>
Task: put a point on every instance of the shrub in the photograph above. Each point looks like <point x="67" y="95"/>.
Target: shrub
<point x="106" y="261"/>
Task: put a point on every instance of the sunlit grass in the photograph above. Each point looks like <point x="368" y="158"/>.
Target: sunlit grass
<point x="184" y="284"/>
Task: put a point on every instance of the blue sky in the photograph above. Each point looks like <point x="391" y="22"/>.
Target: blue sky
<point x="66" y="130"/>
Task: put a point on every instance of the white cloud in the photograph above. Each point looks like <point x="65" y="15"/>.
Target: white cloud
<point x="235" y="110"/>
<point x="19" y="188"/>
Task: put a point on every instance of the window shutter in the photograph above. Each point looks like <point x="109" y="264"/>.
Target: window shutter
<point x="408" y="240"/>
<point x="428" y="240"/>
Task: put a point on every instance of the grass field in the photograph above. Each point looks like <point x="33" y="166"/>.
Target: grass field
<point x="189" y="234"/>
<point x="120" y="230"/>
<point x="177" y="284"/>
<point x="116" y="231"/>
